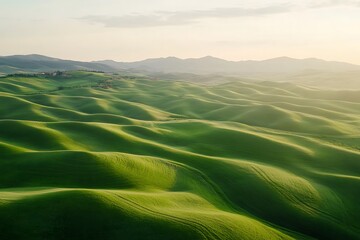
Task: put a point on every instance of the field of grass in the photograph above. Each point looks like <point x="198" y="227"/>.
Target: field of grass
<point x="95" y="156"/>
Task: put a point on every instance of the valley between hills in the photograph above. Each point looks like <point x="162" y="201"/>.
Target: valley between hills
<point x="89" y="155"/>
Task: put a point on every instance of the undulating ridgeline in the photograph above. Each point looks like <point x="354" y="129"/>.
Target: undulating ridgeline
<point x="95" y="156"/>
<point x="311" y="71"/>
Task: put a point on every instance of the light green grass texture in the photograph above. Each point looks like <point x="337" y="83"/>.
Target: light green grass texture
<point x="96" y="156"/>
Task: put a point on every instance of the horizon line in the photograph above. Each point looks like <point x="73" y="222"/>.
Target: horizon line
<point x="187" y="58"/>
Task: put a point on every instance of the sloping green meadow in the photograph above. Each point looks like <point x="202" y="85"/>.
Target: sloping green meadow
<point x="95" y="156"/>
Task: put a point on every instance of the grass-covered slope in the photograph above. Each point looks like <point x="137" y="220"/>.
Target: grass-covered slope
<point x="38" y="63"/>
<point x="93" y="156"/>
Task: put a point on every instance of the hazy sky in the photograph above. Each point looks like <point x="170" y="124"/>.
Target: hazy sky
<point x="139" y="29"/>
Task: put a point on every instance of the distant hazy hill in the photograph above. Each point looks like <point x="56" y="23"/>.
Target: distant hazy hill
<point x="310" y="71"/>
<point x="38" y="63"/>
<point x="205" y="65"/>
<point x="211" y="65"/>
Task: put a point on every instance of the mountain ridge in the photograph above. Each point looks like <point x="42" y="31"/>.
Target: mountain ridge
<point x="309" y="71"/>
<point x="211" y="65"/>
<point x="41" y="63"/>
<point x="171" y="64"/>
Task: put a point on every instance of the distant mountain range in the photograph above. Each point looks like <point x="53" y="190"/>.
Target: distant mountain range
<point x="205" y="65"/>
<point x="211" y="65"/>
<point x="39" y="63"/>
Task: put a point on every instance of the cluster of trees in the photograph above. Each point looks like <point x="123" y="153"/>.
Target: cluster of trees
<point x="48" y="74"/>
<point x="23" y="75"/>
<point x="93" y="71"/>
<point x="57" y="73"/>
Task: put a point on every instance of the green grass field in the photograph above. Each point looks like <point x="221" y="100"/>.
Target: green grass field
<point x="95" y="156"/>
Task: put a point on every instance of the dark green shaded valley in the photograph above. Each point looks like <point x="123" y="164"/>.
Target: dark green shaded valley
<point x="94" y="156"/>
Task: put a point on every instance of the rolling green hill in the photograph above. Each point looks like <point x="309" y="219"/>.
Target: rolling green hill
<point x="96" y="156"/>
<point x="38" y="63"/>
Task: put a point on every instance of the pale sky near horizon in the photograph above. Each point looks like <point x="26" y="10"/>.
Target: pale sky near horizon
<point x="139" y="29"/>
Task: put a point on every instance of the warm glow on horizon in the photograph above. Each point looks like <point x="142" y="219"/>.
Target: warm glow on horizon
<point x="229" y="29"/>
